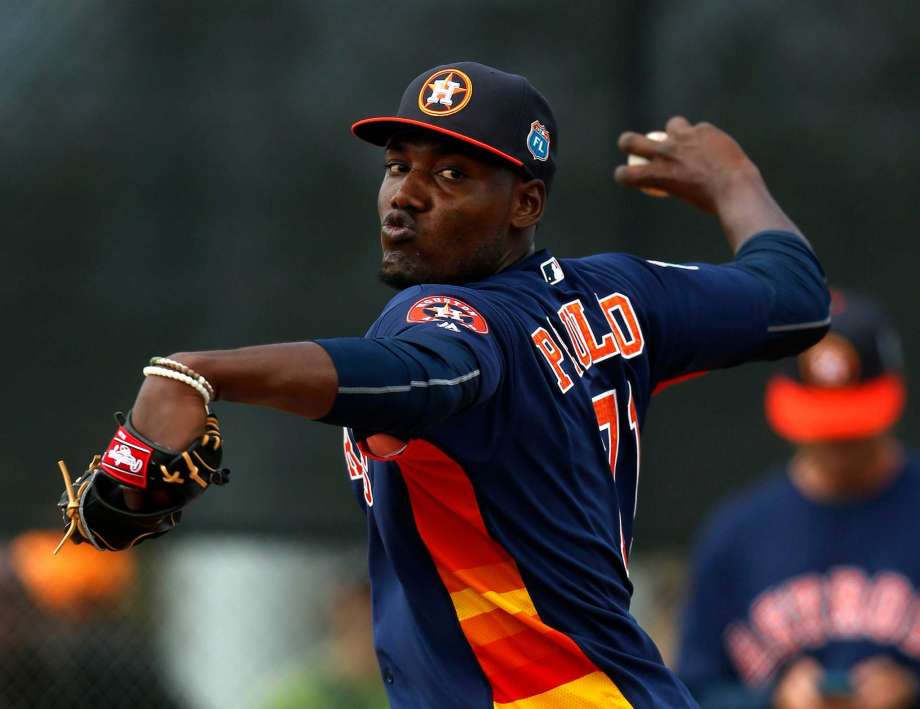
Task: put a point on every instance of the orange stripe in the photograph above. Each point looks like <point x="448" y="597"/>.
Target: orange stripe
<point x="489" y="627"/>
<point x="520" y="655"/>
<point x="803" y="413"/>
<point x="499" y="577"/>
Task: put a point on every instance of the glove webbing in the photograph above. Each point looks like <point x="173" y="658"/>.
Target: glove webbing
<point x="73" y="504"/>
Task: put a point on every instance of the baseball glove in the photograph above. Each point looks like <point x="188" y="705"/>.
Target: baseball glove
<point x="136" y="490"/>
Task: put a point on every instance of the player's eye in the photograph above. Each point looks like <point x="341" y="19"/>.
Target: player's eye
<point x="451" y="174"/>
<point x="394" y="167"/>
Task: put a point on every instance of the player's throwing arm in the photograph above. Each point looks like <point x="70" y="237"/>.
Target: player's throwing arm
<point x="704" y="166"/>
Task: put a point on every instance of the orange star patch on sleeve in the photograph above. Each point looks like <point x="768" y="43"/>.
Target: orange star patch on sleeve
<point x="449" y="312"/>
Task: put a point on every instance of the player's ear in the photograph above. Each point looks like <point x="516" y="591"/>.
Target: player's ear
<point x="529" y="202"/>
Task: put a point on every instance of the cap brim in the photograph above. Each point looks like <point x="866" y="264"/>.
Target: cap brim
<point x="379" y="130"/>
<point x="805" y="414"/>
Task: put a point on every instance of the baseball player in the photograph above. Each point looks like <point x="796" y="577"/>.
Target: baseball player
<point x="806" y="589"/>
<point x="493" y="411"/>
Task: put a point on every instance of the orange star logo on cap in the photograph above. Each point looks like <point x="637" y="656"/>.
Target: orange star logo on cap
<point x="445" y="92"/>
<point x="833" y="362"/>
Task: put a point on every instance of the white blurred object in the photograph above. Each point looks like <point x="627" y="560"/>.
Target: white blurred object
<point x="233" y="609"/>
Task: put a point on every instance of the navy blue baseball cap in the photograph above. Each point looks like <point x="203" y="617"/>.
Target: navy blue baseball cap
<point x="848" y="385"/>
<point x="499" y="113"/>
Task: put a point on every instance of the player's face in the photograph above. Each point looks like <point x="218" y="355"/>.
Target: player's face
<point x="445" y="213"/>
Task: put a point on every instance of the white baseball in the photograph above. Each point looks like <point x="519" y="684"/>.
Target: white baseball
<point x="631" y="159"/>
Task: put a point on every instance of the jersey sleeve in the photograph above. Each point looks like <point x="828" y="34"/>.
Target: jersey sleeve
<point x="769" y="302"/>
<point x="432" y="353"/>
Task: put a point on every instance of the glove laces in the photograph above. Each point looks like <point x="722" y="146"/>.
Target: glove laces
<point x="73" y="503"/>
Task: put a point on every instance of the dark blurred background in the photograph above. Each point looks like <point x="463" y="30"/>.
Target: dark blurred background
<point x="180" y="175"/>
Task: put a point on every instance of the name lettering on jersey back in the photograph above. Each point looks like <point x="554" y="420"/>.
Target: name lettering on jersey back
<point x="623" y="337"/>
<point x="810" y="611"/>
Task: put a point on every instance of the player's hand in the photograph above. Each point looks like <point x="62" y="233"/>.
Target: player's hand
<point x="882" y="683"/>
<point x="700" y="164"/>
<point x="800" y="688"/>
<point x="169" y="413"/>
<point x="704" y="166"/>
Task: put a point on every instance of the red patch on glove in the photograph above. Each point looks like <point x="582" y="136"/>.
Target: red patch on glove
<point x="126" y="459"/>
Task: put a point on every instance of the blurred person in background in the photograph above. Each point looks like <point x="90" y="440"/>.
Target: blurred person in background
<point x="346" y="676"/>
<point x="66" y="635"/>
<point x="805" y="591"/>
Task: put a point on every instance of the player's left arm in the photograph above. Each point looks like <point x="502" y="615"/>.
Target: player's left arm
<point x="397" y="383"/>
<point x="167" y="449"/>
<point x="297" y="377"/>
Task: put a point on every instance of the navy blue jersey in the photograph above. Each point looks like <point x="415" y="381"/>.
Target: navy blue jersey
<point x="777" y="576"/>
<point x="500" y="535"/>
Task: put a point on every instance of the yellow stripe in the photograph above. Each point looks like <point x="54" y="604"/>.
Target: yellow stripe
<point x="469" y="603"/>
<point x="592" y="691"/>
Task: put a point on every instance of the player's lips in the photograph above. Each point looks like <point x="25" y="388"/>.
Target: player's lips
<point x="398" y="226"/>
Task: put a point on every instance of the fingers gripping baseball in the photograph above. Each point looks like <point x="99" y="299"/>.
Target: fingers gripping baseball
<point x="694" y="162"/>
<point x="677" y="124"/>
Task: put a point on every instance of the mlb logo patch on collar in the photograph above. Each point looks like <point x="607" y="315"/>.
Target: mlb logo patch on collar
<point x="445" y="92"/>
<point x="448" y="312"/>
<point x="538" y="141"/>
<point x="552" y="271"/>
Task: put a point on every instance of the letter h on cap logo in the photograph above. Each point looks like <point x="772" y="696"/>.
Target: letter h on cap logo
<point x="450" y="90"/>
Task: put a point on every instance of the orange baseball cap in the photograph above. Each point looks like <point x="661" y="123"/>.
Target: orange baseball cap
<point x="849" y="385"/>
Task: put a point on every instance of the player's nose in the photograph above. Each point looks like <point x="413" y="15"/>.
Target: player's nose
<point x="411" y="193"/>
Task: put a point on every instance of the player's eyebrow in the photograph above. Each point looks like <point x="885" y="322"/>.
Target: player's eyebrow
<point x="437" y="144"/>
<point x="446" y="147"/>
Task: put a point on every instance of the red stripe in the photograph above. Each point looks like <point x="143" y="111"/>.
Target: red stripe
<point x="531" y="663"/>
<point x="446" y="510"/>
<point x="451" y="581"/>
<point x="661" y="386"/>
<point x="437" y="129"/>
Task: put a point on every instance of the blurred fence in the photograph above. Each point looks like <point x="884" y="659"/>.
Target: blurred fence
<point x="204" y="622"/>
<point x="198" y="623"/>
